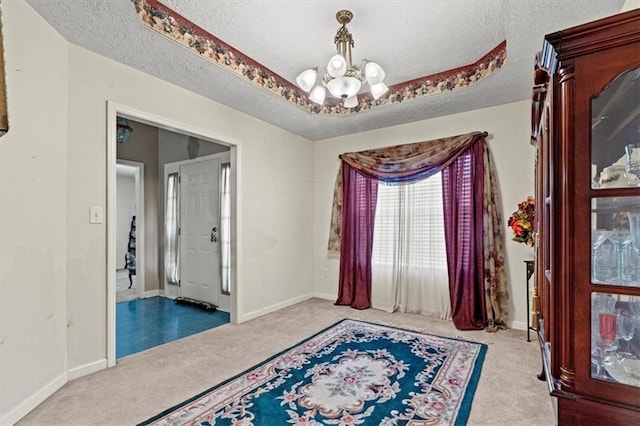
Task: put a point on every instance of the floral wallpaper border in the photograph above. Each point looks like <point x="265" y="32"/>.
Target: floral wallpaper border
<point x="172" y="25"/>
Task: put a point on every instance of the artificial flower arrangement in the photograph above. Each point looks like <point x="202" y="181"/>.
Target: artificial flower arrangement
<point x="522" y="222"/>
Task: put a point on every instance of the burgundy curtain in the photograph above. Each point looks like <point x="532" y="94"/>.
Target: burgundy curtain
<point x="359" y="199"/>
<point x="473" y="226"/>
<point x="462" y="193"/>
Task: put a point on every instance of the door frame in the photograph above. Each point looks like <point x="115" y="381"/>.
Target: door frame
<point x="113" y="111"/>
<point x="140" y="221"/>
<point x="224" y="157"/>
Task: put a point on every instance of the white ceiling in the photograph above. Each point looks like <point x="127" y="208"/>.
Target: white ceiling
<point x="409" y="39"/>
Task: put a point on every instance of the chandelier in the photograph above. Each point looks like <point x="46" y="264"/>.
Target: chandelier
<point x="343" y="79"/>
<point x="123" y="130"/>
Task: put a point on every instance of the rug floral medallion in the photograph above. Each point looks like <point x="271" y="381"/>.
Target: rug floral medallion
<point x="353" y="373"/>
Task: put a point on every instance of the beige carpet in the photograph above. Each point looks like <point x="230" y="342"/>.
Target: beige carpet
<point x="147" y="383"/>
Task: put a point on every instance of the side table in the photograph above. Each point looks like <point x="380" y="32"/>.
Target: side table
<point x="530" y="270"/>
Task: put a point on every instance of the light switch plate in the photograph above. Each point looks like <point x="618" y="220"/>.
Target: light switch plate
<point x="96" y="215"/>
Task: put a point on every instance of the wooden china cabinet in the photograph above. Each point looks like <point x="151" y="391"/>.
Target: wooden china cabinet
<point x="586" y="307"/>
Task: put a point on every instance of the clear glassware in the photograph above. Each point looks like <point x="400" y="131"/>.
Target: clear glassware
<point x="598" y="236"/>
<point x="634" y="305"/>
<point x="621" y="239"/>
<point x="625" y="327"/>
<point x="603" y="333"/>
<point x="633" y="159"/>
<point x="616" y="260"/>
<point x="634" y="232"/>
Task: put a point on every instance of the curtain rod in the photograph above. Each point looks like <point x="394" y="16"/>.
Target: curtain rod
<point x="485" y="134"/>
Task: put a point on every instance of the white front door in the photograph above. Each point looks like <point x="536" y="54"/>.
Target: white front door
<point x="199" y="212"/>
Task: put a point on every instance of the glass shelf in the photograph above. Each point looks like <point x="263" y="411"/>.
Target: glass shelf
<point x="615" y="204"/>
<point x="615" y="241"/>
<point x="615" y="338"/>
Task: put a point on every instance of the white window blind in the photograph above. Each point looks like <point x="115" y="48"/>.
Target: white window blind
<point x="409" y="262"/>
<point x="423" y="221"/>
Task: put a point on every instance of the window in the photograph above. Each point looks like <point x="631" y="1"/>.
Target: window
<point x="409" y="263"/>
<point x="225" y="228"/>
<point x="420" y="217"/>
<point x="172" y="225"/>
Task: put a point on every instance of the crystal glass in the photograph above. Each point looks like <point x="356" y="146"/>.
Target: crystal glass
<point x="633" y="159"/>
<point x="626" y="328"/>
<point x="621" y="239"/>
<point x="634" y="232"/>
<point x="634" y="305"/>
<point x="603" y="332"/>
<point x="607" y="327"/>
<point x="616" y="260"/>
<point x="598" y="236"/>
<point x="615" y="338"/>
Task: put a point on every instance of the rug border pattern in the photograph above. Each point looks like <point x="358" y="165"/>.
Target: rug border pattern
<point x="465" y="403"/>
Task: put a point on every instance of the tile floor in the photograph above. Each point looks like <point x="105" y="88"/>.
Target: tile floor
<point x="144" y="323"/>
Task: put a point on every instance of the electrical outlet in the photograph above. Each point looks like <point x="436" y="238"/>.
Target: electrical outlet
<point x="325" y="273"/>
<point x="96" y="215"/>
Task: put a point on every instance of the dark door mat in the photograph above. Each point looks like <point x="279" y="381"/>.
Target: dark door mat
<point x="209" y="307"/>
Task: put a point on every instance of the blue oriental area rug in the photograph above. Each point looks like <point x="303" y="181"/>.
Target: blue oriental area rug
<point x="352" y="373"/>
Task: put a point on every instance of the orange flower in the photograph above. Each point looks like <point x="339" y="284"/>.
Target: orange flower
<point x="522" y="222"/>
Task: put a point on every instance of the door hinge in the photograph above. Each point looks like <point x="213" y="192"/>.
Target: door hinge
<point x="179" y="231"/>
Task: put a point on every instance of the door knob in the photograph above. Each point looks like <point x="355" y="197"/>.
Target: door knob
<point x="214" y="236"/>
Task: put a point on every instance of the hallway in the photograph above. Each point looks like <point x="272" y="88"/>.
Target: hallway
<point x="144" y="323"/>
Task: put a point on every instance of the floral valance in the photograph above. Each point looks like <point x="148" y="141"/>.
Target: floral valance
<point x="397" y="164"/>
<point x="412" y="161"/>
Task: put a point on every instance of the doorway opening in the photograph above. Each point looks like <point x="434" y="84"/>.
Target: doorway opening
<point x="174" y="143"/>
<point x="129" y="229"/>
<point x="197" y="230"/>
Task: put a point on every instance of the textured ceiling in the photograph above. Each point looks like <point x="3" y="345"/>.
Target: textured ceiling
<point x="409" y="39"/>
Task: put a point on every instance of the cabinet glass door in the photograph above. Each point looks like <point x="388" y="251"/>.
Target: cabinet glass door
<point x="615" y="133"/>
<point x="615" y="231"/>
<point x="615" y="338"/>
<point x="615" y="241"/>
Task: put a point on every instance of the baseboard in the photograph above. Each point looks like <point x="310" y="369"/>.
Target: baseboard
<point x="333" y="297"/>
<point x="87" y="369"/>
<point x="276" y="307"/>
<point x="517" y="325"/>
<point x="386" y="307"/>
<point x="326" y="296"/>
<point x="23" y="408"/>
<point x="150" y="293"/>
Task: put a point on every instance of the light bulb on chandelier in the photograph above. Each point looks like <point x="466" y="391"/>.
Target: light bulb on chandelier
<point x="343" y="79"/>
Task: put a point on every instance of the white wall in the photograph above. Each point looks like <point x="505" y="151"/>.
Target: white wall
<point x="125" y="210"/>
<point x="33" y="189"/>
<point x="630" y="5"/>
<point x="53" y="262"/>
<point x="509" y="134"/>
<point x="274" y="175"/>
<point x="175" y="147"/>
